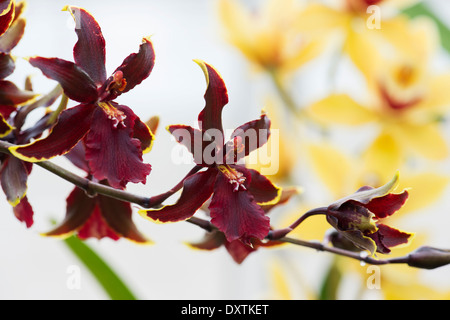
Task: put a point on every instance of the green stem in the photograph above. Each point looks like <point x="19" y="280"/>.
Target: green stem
<point x="287" y="99"/>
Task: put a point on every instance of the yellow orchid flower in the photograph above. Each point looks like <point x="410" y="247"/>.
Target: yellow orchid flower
<point x="363" y="29"/>
<point x="406" y="101"/>
<point x="269" y="38"/>
<point x="342" y="173"/>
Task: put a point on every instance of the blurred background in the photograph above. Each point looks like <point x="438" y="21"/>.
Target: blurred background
<point x="356" y="95"/>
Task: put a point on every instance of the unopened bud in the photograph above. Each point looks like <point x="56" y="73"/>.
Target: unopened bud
<point x="341" y="242"/>
<point x="429" y="258"/>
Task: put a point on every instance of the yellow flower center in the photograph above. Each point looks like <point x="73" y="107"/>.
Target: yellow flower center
<point x="405" y="75"/>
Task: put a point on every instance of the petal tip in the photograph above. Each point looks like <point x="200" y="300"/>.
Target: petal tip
<point x="202" y="65"/>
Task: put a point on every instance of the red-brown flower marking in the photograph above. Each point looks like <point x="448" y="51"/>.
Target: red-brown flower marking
<point x="357" y="217"/>
<point x="95" y="216"/>
<point x="236" y="191"/>
<point x="114" y="136"/>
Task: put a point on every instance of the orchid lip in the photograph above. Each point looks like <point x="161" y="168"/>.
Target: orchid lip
<point x="114" y="114"/>
<point x="234" y="177"/>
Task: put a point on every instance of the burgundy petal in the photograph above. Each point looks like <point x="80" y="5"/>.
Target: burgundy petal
<point x="142" y="132"/>
<point x="96" y="227"/>
<point x="216" y="97"/>
<point x="89" y="51"/>
<point x="262" y="189"/>
<point x="77" y="84"/>
<point x="212" y="240"/>
<point x="111" y="150"/>
<point x="196" y="190"/>
<point x="78" y="157"/>
<point x="238" y="250"/>
<point x="72" y="126"/>
<point x="387" y="205"/>
<point x="6" y="14"/>
<point x="5" y="127"/>
<point x="14" y="176"/>
<point x="252" y="135"/>
<point x="236" y="213"/>
<point x="79" y="208"/>
<point x="138" y="66"/>
<point x="6" y="110"/>
<point x="387" y="237"/>
<point x="11" y="95"/>
<point x="191" y="138"/>
<point x="117" y="215"/>
<point x="24" y="212"/>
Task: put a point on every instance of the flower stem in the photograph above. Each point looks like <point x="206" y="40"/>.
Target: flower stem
<point x="280" y="233"/>
<point x="93" y="188"/>
<point x="284" y="94"/>
<point x="349" y="254"/>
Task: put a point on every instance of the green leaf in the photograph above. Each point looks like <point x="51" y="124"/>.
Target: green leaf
<point x="331" y="282"/>
<point x="103" y="273"/>
<point x="421" y="9"/>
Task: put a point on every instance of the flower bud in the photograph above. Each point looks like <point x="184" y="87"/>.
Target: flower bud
<point x="429" y="258"/>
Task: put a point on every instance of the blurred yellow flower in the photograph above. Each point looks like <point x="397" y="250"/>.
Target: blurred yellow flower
<point x="407" y="99"/>
<point x="363" y="29"/>
<point x="342" y="173"/>
<point x="278" y="153"/>
<point x="268" y="38"/>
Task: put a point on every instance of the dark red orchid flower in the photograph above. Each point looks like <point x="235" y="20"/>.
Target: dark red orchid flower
<point x="357" y="217"/>
<point x="12" y="27"/>
<point x="237" y="191"/>
<point x="13" y="171"/>
<point x="15" y="105"/>
<point x="114" y="136"/>
<point x="95" y="216"/>
<point x="238" y="250"/>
